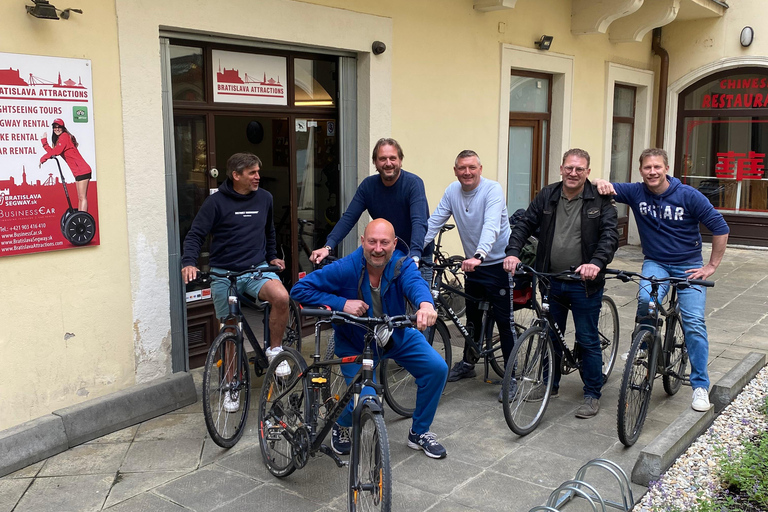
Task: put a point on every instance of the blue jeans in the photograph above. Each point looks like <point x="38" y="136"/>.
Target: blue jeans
<point x="420" y="360"/>
<point x="565" y="295"/>
<point x="693" y="301"/>
<point x="245" y="286"/>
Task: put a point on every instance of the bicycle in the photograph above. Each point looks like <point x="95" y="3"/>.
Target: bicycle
<point x="226" y="375"/>
<point x="532" y="362"/>
<point x="455" y="277"/>
<point x="297" y="412"/>
<point x="650" y="356"/>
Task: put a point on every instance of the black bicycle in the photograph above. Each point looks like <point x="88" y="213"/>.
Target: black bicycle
<point x="226" y="375"/>
<point x="650" y="356"/>
<point x="527" y="385"/>
<point x="453" y="276"/>
<point x="297" y="411"/>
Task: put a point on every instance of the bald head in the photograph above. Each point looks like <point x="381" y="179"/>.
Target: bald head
<point x="378" y="242"/>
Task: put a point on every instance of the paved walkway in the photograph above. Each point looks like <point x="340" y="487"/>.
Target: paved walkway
<point x="170" y="464"/>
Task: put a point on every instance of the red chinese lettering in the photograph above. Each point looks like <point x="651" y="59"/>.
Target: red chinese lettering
<point x="740" y="166"/>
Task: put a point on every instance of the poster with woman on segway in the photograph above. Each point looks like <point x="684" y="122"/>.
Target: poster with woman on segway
<point x="48" y="196"/>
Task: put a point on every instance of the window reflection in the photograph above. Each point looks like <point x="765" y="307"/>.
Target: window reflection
<point x="187" y="78"/>
<point x="314" y="82"/>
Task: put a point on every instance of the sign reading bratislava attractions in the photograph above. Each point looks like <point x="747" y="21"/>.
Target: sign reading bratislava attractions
<point x="47" y="153"/>
<point x="249" y="78"/>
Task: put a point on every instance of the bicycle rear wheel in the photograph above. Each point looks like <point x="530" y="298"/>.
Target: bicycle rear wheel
<point x="226" y="391"/>
<point x="292" y="335"/>
<point x="282" y="414"/>
<point x="526" y="386"/>
<point x="675" y="355"/>
<point x="636" y="386"/>
<point x="370" y="475"/>
<point x="608" y="330"/>
<point x="399" y="385"/>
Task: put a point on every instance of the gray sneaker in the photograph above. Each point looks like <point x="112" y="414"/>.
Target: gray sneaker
<point x="589" y="408"/>
<point x="537" y="394"/>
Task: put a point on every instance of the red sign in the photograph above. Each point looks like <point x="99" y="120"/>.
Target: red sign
<point x="742" y="166"/>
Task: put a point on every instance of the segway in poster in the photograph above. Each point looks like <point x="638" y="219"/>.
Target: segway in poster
<point x="48" y="189"/>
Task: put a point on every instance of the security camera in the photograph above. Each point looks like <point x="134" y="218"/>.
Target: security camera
<point x="378" y="47"/>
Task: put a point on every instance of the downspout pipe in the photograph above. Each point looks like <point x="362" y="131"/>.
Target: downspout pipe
<point x="661" y="114"/>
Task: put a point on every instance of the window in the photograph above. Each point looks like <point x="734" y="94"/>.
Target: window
<point x="621" y="140"/>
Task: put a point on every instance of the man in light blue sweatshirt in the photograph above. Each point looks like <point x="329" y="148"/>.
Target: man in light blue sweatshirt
<point x="668" y="214"/>
<point x="479" y="208"/>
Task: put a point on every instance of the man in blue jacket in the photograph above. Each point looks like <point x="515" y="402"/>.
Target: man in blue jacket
<point x="239" y="217"/>
<point x="375" y="280"/>
<point x="668" y="214"/>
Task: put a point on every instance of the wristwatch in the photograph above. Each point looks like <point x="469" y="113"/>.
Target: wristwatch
<point x="479" y="256"/>
<point x="328" y="248"/>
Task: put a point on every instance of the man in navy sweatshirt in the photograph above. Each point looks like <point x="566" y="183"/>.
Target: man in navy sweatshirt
<point x="395" y="194"/>
<point x="239" y="217"/>
<point x="375" y="280"/>
<point x="668" y="214"/>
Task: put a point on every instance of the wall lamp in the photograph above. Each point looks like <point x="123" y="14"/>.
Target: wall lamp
<point x="43" y="9"/>
<point x="544" y="43"/>
<point x="747" y="35"/>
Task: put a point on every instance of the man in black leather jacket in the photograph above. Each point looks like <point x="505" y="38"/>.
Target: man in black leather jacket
<point x="577" y="230"/>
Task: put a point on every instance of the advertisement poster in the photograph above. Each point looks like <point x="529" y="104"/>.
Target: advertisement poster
<point x="249" y="78"/>
<point x="48" y="192"/>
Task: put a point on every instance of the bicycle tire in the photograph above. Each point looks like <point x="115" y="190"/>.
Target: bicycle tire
<point x="608" y="330"/>
<point x="530" y="365"/>
<point x="492" y="338"/>
<point x="456" y="302"/>
<point x="675" y="355"/>
<point x="225" y="428"/>
<point x="370" y="472"/>
<point x="281" y="413"/>
<point x="524" y="318"/>
<point x="331" y="393"/>
<point x="292" y="335"/>
<point x="636" y="387"/>
<point x="399" y="385"/>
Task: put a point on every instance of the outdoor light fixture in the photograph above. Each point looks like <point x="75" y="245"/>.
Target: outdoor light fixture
<point x="746" y="37"/>
<point x="544" y="43"/>
<point x="43" y="9"/>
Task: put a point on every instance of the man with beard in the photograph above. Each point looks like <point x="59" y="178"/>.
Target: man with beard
<point x="395" y="195"/>
<point x="375" y="280"/>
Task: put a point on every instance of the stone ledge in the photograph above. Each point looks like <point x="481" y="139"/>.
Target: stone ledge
<point x="734" y="381"/>
<point x="662" y="452"/>
<point x="31" y="442"/>
<point x="43" y="437"/>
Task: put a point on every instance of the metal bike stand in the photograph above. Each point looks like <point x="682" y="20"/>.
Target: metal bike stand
<point x="574" y="488"/>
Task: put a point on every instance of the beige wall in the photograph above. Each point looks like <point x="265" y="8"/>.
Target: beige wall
<point x="65" y="324"/>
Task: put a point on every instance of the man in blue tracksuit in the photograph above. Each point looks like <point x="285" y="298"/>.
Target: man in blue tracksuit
<point x="375" y="280"/>
<point x="668" y="214"/>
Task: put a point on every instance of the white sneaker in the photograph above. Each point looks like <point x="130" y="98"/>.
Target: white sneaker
<point x="231" y="401"/>
<point x="283" y="369"/>
<point x="700" y="400"/>
<point x="642" y="354"/>
<point x="624" y="356"/>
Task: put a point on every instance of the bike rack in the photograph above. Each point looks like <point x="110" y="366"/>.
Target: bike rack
<point x="578" y="487"/>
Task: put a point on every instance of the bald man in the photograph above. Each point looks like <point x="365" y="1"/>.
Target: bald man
<point x="375" y="280"/>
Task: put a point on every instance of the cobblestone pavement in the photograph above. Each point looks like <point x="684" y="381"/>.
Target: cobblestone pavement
<point x="170" y="464"/>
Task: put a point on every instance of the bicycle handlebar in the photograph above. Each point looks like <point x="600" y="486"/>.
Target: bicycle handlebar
<point x="340" y="317"/>
<point x="625" y="276"/>
<point x="522" y="269"/>
<point x="203" y="276"/>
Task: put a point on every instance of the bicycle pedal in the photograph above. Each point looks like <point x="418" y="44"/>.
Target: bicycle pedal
<point x="274" y="433"/>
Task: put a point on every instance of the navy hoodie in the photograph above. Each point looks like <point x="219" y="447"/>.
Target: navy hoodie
<point x="669" y="222"/>
<point x="242" y="228"/>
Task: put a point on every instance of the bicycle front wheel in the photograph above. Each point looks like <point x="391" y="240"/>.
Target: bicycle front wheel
<point x="292" y="335"/>
<point x="675" y="355"/>
<point x="527" y="384"/>
<point x="226" y="391"/>
<point x="399" y="385"/>
<point x="370" y="475"/>
<point x="454" y="300"/>
<point x="608" y="330"/>
<point x="636" y="386"/>
<point x="282" y="414"/>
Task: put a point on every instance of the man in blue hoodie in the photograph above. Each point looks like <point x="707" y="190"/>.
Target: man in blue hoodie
<point x="668" y="214"/>
<point x="375" y="280"/>
<point x="239" y="217"/>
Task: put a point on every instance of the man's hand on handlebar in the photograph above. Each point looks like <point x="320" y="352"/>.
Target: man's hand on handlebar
<point x="318" y="255"/>
<point x="277" y="262"/>
<point x="355" y="307"/>
<point x="702" y="272"/>
<point x="510" y="263"/>
<point x="189" y="273"/>
<point x="587" y="271"/>
<point x="426" y="316"/>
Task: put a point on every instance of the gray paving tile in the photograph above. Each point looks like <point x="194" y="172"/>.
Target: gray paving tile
<point x="422" y="473"/>
<point x="448" y="505"/>
<point x="86" y="459"/>
<point x="27" y="472"/>
<point x="581" y="444"/>
<point x="248" y="462"/>
<point x="164" y="455"/>
<point x="128" y="485"/>
<point x="147" y="503"/>
<point x="172" y="426"/>
<point x="66" y="493"/>
<point x="406" y="498"/>
<point x="483" y="493"/>
<point x="212" y="452"/>
<point x="483" y="441"/>
<point x="11" y="490"/>
<point x="270" y="497"/>
<point x="125" y="435"/>
<point x="526" y="464"/>
<point x="207" y="488"/>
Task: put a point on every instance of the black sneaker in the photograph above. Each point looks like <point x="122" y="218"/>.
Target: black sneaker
<point x="428" y="443"/>
<point x="340" y="441"/>
<point x="461" y="370"/>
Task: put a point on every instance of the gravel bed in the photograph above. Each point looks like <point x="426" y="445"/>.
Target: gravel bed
<point x="694" y="475"/>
